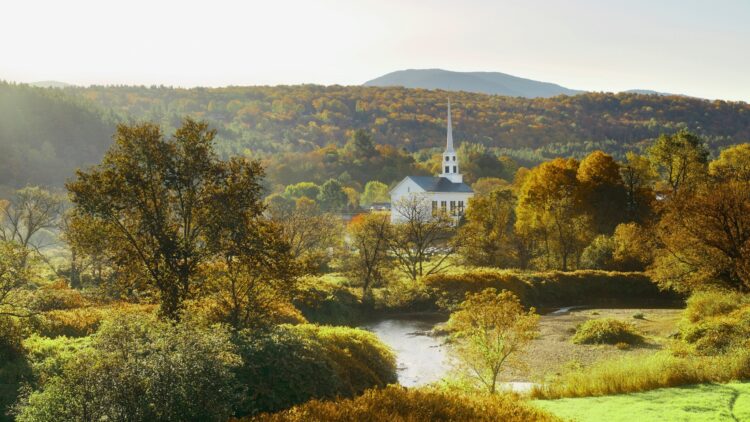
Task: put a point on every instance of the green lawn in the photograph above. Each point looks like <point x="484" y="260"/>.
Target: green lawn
<point x="703" y="402"/>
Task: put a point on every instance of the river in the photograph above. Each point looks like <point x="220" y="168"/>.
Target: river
<point x="420" y="358"/>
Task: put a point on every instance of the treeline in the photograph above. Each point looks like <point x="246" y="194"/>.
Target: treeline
<point x="309" y="116"/>
<point x="305" y="132"/>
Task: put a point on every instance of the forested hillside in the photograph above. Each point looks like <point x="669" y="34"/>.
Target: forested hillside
<point x="306" y="116"/>
<point x="301" y="131"/>
<point x="45" y="135"/>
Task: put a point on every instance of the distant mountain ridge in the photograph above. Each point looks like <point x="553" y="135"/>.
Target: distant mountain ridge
<point x="494" y="83"/>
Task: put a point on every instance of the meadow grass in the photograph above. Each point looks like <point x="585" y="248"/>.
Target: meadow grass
<point x="645" y="372"/>
<point x="703" y="402"/>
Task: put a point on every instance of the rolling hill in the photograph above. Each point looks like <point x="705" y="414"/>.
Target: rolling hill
<point x="481" y="82"/>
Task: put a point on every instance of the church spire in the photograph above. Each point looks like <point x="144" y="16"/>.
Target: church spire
<point x="449" y="146"/>
<point x="450" y="160"/>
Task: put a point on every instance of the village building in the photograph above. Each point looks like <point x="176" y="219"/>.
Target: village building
<point x="446" y="193"/>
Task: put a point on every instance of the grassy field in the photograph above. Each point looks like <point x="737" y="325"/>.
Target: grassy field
<point x="704" y="402"/>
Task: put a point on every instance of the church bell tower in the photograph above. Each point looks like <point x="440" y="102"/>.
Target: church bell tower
<point x="450" y="160"/>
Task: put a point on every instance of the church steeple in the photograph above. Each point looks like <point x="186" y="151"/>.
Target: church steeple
<point x="449" y="147"/>
<point x="450" y="160"/>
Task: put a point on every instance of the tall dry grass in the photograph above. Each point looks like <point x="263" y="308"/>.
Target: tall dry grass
<point x="642" y="373"/>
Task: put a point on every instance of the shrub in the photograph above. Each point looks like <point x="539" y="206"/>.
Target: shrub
<point x="81" y="322"/>
<point x="639" y="315"/>
<point x="324" y="302"/>
<point x="606" y="331"/>
<point x="281" y="368"/>
<point x="641" y="373"/>
<point x="400" y="404"/>
<point x="361" y="359"/>
<point x="48" y="356"/>
<point x="13" y="367"/>
<point x="10" y="339"/>
<point x="139" y="368"/>
<point x="550" y="289"/>
<point x="704" y="304"/>
<point x="57" y="295"/>
<point x="289" y="365"/>
<point x="598" y="254"/>
<point x="717" y="334"/>
<point x="716" y="321"/>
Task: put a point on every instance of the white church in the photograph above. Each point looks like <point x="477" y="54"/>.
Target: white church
<point x="446" y="193"/>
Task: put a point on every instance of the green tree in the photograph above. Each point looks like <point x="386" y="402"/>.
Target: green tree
<point x="487" y="236"/>
<point x="332" y="197"/>
<point x="170" y="202"/>
<point x="491" y="328"/>
<point x="302" y="189"/>
<point x="603" y="190"/>
<point x="680" y="159"/>
<point x="733" y="163"/>
<point x="364" y="147"/>
<point x="140" y="369"/>
<point x="374" y="192"/>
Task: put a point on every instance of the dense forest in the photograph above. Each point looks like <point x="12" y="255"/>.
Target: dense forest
<point x="300" y="131"/>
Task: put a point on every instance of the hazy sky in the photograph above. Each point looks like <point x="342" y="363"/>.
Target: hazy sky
<point x="699" y="48"/>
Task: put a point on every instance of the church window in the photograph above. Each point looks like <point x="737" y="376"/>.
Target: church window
<point x="446" y="158"/>
<point x="453" y="207"/>
<point x="461" y="207"/>
<point x="447" y="169"/>
<point x="454" y="158"/>
<point x="454" y="169"/>
<point x="442" y="205"/>
<point x="434" y="208"/>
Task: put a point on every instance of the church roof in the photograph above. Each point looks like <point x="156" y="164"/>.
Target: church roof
<point x="439" y="184"/>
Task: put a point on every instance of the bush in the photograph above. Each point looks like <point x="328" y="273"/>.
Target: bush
<point x="48" y="356"/>
<point x="13" y="367"/>
<point x="716" y="321"/>
<point x="642" y="373"/>
<point x="11" y="337"/>
<point x="139" y="368"/>
<point x="606" y="331"/>
<point x="81" y="322"/>
<point x="289" y="365"/>
<point x="361" y="359"/>
<point x="57" y="295"/>
<point x="704" y="304"/>
<point x="598" y="255"/>
<point x="552" y="288"/>
<point x="322" y="301"/>
<point x="400" y="404"/>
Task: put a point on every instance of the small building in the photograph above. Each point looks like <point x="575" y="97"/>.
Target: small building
<point x="446" y="193"/>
